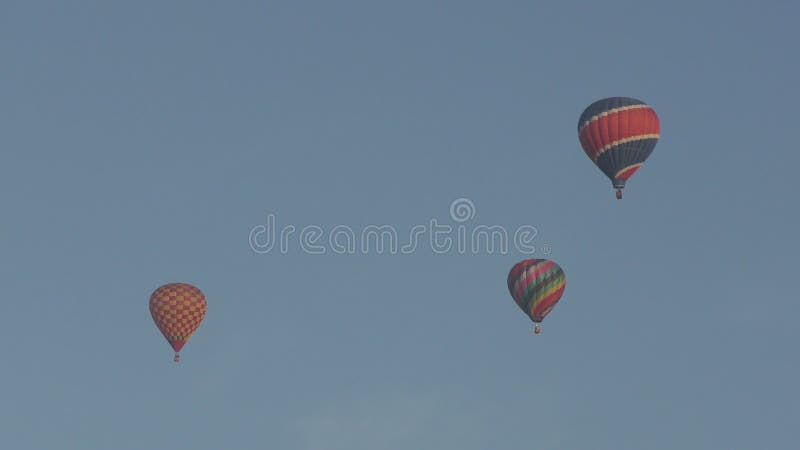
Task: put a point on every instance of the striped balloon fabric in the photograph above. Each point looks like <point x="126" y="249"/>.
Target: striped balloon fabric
<point x="618" y="134"/>
<point x="536" y="286"/>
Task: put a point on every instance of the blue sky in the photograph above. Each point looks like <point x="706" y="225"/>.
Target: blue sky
<point x="142" y="142"/>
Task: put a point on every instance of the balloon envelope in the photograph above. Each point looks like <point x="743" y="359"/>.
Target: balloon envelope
<point x="618" y="134"/>
<point x="536" y="286"/>
<point x="178" y="309"/>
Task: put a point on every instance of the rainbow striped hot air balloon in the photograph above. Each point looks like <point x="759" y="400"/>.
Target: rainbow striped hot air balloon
<point x="618" y="134"/>
<point x="178" y="309"/>
<point x="536" y="286"/>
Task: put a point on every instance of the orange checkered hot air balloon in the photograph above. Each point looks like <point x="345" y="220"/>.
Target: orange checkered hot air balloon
<point x="178" y="309"/>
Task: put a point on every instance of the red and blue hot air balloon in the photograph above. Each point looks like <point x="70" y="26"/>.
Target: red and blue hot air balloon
<point x="618" y="134"/>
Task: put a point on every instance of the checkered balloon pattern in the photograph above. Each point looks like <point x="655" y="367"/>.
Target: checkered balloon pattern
<point x="178" y="309"/>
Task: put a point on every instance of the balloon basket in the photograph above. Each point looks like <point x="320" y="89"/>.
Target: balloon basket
<point x="177" y="358"/>
<point x="619" y="194"/>
<point x="537" y="329"/>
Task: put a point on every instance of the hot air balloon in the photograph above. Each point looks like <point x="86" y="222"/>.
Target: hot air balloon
<point x="618" y="134"/>
<point x="178" y="309"/>
<point x="536" y="286"/>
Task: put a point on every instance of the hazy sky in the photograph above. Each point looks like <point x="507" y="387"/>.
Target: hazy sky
<point x="142" y="141"/>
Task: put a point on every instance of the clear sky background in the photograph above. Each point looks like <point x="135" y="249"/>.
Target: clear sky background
<point x="141" y="142"/>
